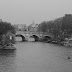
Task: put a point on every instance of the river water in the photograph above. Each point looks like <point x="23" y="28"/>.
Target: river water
<point x="36" y="57"/>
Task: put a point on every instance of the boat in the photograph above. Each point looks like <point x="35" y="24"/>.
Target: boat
<point x="9" y="46"/>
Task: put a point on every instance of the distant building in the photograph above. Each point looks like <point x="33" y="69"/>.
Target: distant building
<point x="15" y="26"/>
<point x="21" y="27"/>
<point x="30" y="28"/>
<point x="25" y="27"/>
<point x="33" y="27"/>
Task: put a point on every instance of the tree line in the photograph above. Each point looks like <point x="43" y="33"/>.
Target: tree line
<point x="61" y="27"/>
<point x="5" y="26"/>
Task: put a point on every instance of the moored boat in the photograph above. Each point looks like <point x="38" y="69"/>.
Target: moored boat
<point x="9" y="46"/>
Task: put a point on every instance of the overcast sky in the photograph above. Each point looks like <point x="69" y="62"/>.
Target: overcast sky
<point x="25" y="11"/>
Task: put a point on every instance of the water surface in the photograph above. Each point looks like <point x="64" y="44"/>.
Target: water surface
<point x="36" y="57"/>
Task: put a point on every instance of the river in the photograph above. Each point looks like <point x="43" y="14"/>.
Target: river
<point x="36" y="57"/>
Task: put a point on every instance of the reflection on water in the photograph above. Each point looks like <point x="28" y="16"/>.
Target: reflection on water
<point x="20" y="39"/>
<point x="31" y="39"/>
<point x="36" y="57"/>
<point x="7" y="61"/>
<point x="7" y="52"/>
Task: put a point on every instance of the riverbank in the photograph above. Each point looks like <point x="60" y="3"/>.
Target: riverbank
<point x="58" y="42"/>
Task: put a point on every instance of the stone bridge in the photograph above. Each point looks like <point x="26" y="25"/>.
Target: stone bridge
<point x="36" y="35"/>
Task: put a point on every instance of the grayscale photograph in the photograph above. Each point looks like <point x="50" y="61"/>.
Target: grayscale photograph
<point x="35" y="35"/>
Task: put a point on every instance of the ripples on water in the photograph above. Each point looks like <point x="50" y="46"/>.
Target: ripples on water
<point x="7" y="60"/>
<point x="36" y="57"/>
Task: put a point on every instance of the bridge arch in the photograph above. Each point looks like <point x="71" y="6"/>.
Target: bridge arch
<point x="19" y="35"/>
<point x="46" y="38"/>
<point x="35" y="37"/>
